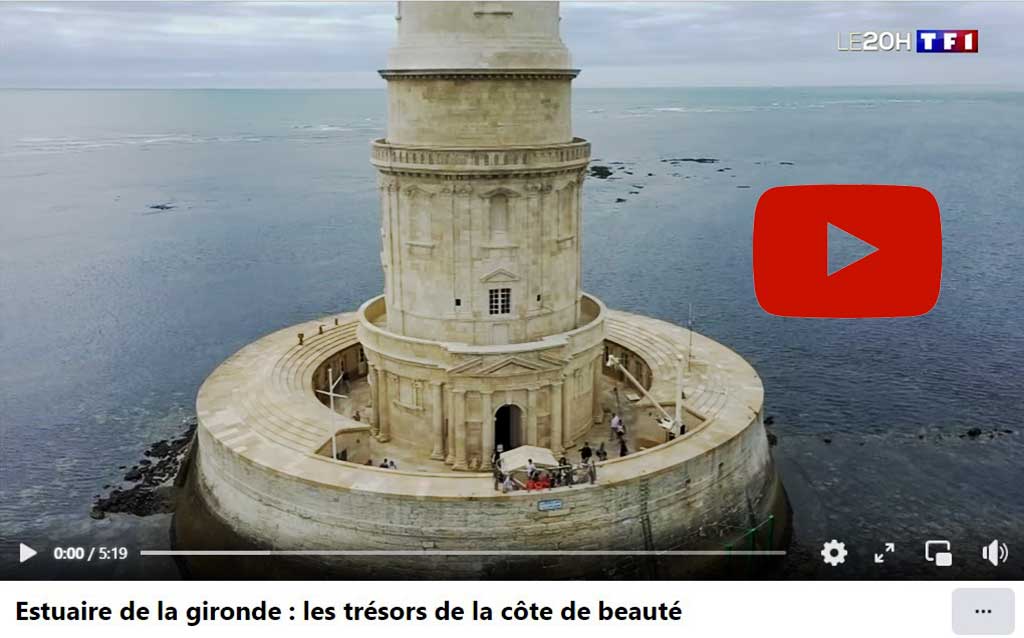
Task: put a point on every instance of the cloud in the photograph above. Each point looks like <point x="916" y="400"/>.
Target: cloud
<point x="285" y="44"/>
<point x="783" y="43"/>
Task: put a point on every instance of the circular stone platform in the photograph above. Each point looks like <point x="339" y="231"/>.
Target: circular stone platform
<point x="260" y="469"/>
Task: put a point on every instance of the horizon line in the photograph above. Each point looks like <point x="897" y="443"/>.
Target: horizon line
<point x="580" y="88"/>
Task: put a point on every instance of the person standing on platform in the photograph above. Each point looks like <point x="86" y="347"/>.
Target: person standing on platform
<point x="617" y="427"/>
<point x="586" y="452"/>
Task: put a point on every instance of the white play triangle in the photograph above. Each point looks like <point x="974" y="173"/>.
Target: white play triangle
<point x="845" y="249"/>
<point x="26" y="552"/>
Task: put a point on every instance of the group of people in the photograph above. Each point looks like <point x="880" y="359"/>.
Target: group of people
<point x="537" y="479"/>
<point x="587" y="453"/>
<point x="565" y="474"/>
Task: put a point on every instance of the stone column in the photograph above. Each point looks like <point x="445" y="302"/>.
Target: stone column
<point x="567" y="422"/>
<point x="384" y="431"/>
<point x="531" y="416"/>
<point x="449" y="429"/>
<point x="375" y="399"/>
<point x="459" y="415"/>
<point x="595" y="391"/>
<point x="555" y="407"/>
<point x="437" y="399"/>
<point x="486" y="430"/>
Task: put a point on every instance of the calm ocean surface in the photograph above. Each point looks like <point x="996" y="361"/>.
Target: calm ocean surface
<point x="112" y="313"/>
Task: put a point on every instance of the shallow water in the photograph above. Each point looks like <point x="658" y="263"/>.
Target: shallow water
<point x="113" y="312"/>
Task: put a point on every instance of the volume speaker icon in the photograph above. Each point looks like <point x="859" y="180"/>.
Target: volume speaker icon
<point x="995" y="552"/>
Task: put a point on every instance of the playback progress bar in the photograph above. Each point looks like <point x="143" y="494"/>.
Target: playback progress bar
<point x="467" y="552"/>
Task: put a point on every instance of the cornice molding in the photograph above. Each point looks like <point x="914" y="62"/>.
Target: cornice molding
<point x="479" y="74"/>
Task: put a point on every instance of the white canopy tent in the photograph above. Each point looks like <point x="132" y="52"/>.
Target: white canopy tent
<point x="517" y="458"/>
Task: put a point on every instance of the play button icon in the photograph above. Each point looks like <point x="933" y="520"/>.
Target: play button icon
<point x="26" y="552"/>
<point x="847" y="251"/>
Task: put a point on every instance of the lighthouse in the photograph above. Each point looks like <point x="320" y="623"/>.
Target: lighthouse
<point x="362" y="442"/>
<point x="483" y="337"/>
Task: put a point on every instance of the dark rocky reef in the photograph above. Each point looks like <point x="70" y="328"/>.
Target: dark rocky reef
<point x="149" y="488"/>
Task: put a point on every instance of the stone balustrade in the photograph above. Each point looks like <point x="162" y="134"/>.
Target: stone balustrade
<point x="548" y="158"/>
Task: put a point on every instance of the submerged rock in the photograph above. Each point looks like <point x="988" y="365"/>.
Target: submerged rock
<point x="696" y="160"/>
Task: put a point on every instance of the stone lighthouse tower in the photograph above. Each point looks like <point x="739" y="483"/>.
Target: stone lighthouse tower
<point x="483" y="336"/>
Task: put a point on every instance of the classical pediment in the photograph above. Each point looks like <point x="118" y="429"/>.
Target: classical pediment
<point x="499" y="275"/>
<point x="500" y="190"/>
<point x="466" y="366"/>
<point x="504" y="367"/>
<point x="413" y="189"/>
<point x="512" y="365"/>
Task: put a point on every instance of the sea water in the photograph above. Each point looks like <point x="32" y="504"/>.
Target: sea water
<point x="147" y="235"/>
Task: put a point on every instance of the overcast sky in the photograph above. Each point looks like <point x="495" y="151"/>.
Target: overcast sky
<point x="338" y="45"/>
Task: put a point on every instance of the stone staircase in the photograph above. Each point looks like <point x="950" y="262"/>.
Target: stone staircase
<point x="269" y="406"/>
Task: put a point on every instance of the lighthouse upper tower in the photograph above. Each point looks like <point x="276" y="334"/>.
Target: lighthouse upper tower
<point x="480" y="175"/>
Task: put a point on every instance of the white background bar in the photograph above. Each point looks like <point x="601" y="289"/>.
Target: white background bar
<point x="711" y="609"/>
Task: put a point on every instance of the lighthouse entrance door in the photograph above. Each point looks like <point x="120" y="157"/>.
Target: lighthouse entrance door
<point x="508" y="427"/>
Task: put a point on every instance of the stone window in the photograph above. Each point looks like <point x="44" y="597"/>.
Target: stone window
<point x="499" y="216"/>
<point x="500" y="301"/>
<point x="409" y="393"/>
<point x="421" y="225"/>
<point x="566" y="210"/>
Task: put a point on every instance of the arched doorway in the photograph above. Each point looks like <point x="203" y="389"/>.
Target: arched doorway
<point x="508" y="429"/>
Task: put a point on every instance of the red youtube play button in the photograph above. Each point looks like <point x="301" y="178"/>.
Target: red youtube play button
<point x="899" y="278"/>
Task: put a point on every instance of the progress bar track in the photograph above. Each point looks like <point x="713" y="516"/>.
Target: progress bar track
<point x="468" y="552"/>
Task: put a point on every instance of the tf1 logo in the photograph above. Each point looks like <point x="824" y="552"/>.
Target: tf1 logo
<point x="926" y="41"/>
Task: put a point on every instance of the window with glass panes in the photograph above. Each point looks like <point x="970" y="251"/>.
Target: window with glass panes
<point x="500" y="301"/>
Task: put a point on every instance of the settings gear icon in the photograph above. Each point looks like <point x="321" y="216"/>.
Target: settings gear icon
<point x="833" y="552"/>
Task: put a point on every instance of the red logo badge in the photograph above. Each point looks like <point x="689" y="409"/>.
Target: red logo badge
<point x="797" y="236"/>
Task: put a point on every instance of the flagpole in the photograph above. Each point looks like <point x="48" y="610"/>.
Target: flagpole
<point x="330" y="384"/>
<point x="689" y="350"/>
